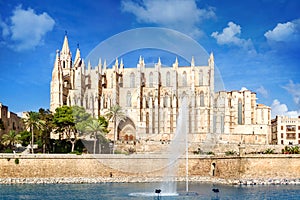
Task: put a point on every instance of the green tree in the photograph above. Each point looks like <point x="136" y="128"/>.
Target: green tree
<point x="10" y="139"/>
<point x="115" y="114"/>
<point x="33" y="122"/>
<point x="64" y="122"/>
<point x="25" y="138"/>
<point x="80" y="119"/>
<point x="46" y="128"/>
<point x="97" y="130"/>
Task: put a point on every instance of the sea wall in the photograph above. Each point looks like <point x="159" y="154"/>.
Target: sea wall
<point x="143" y="167"/>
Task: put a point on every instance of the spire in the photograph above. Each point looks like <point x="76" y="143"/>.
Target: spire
<point x="65" y="48"/>
<point x="56" y="64"/>
<point x="100" y="62"/>
<point x="211" y="56"/>
<point x="141" y="64"/>
<point x="121" y="66"/>
<point x="100" y="66"/>
<point x="175" y="64"/>
<point x="211" y="60"/>
<point x="104" y="67"/>
<point x="77" y="56"/>
<point x="116" y="65"/>
<point x="159" y="62"/>
<point x="193" y="62"/>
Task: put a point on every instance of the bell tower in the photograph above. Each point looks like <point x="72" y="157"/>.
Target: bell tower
<point x="61" y="76"/>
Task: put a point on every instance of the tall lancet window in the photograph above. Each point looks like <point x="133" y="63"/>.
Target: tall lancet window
<point x="132" y="80"/>
<point x="86" y="103"/>
<point x="202" y="99"/>
<point x="151" y="79"/>
<point x="111" y="80"/>
<point x="200" y="78"/>
<point x="128" y="99"/>
<point x="166" y="98"/>
<point x="168" y="79"/>
<point x="184" y="79"/>
<point x="240" y="114"/>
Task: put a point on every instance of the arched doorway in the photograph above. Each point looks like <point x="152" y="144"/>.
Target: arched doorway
<point x="127" y="130"/>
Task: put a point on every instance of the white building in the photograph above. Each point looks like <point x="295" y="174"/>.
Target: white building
<point x="286" y="130"/>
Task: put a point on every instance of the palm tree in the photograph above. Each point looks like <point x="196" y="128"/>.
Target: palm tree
<point x="47" y="126"/>
<point x="11" y="139"/>
<point x="31" y="122"/>
<point x="116" y="114"/>
<point x="97" y="129"/>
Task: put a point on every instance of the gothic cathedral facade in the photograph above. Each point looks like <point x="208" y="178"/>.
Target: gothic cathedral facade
<point x="151" y="97"/>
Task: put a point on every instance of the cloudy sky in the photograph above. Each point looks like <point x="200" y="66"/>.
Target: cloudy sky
<point x="256" y="44"/>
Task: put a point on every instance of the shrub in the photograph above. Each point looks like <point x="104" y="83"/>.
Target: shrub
<point x="210" y="153"/>
<point x="198" y="151"/>
<point x="269" y="151"/>
<point x="76" y="152"/>
<point x="17" y="161"/>
<point x="8" y="151"/>
<point x="291" y="150"/>
<point x="118" y="152"/>
<point x="230" y="153"/>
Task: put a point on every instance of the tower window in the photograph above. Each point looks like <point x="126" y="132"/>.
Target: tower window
<point x="184" y="79"/>
<point x="168" y="79"/>
<point x="200" y="78"/>
<point x="132" y="80"/>
<point x="151" y="79"/>
<point x="202" y="99"/>
<point x="240" y="114"/>
<point x="128" y="99"/>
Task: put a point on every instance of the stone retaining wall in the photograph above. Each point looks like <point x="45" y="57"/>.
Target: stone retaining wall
<point x="231" y="169"/>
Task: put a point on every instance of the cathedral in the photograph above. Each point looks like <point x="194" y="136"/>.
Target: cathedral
<point x="151" y="96"/>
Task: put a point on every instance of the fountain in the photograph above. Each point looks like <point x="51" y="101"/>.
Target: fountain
<point x="178" y="146"/>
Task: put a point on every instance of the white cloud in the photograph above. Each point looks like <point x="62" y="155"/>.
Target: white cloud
<point x="243" y="89"/>
<point x="282" y="110"/>
<point x="261" y="90"/>
<point x="294" y="90"/>
<point x="26" y="29"/>
<point x="284" y="32"/>
<point x="231" y="36"/>
<point x="176" y="14"/>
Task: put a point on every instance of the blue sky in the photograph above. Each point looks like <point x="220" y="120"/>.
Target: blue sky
<point x="256" y="44"/>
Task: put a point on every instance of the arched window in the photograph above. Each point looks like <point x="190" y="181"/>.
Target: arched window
<point x="151" y="79"/>
<point x="166" y="101"/>
<point x="240" y="114"/>
<point x="184" y="79"/>
<point x="202" y="99"/>
<point x="200" y="78"/>
<point x="128" y="99"/>
<point x="86" y="103"/>
<point x="111" y="80"/>
<point x="147" y="122"/>
<point x="132" y="80"/>
<point x="222" y="123"/>
<point x="168" y="79"/>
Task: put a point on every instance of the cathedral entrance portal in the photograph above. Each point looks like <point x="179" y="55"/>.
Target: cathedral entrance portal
<point x="126" y="130"/>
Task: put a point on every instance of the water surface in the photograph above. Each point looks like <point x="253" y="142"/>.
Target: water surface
<point x="123" y="190"/>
